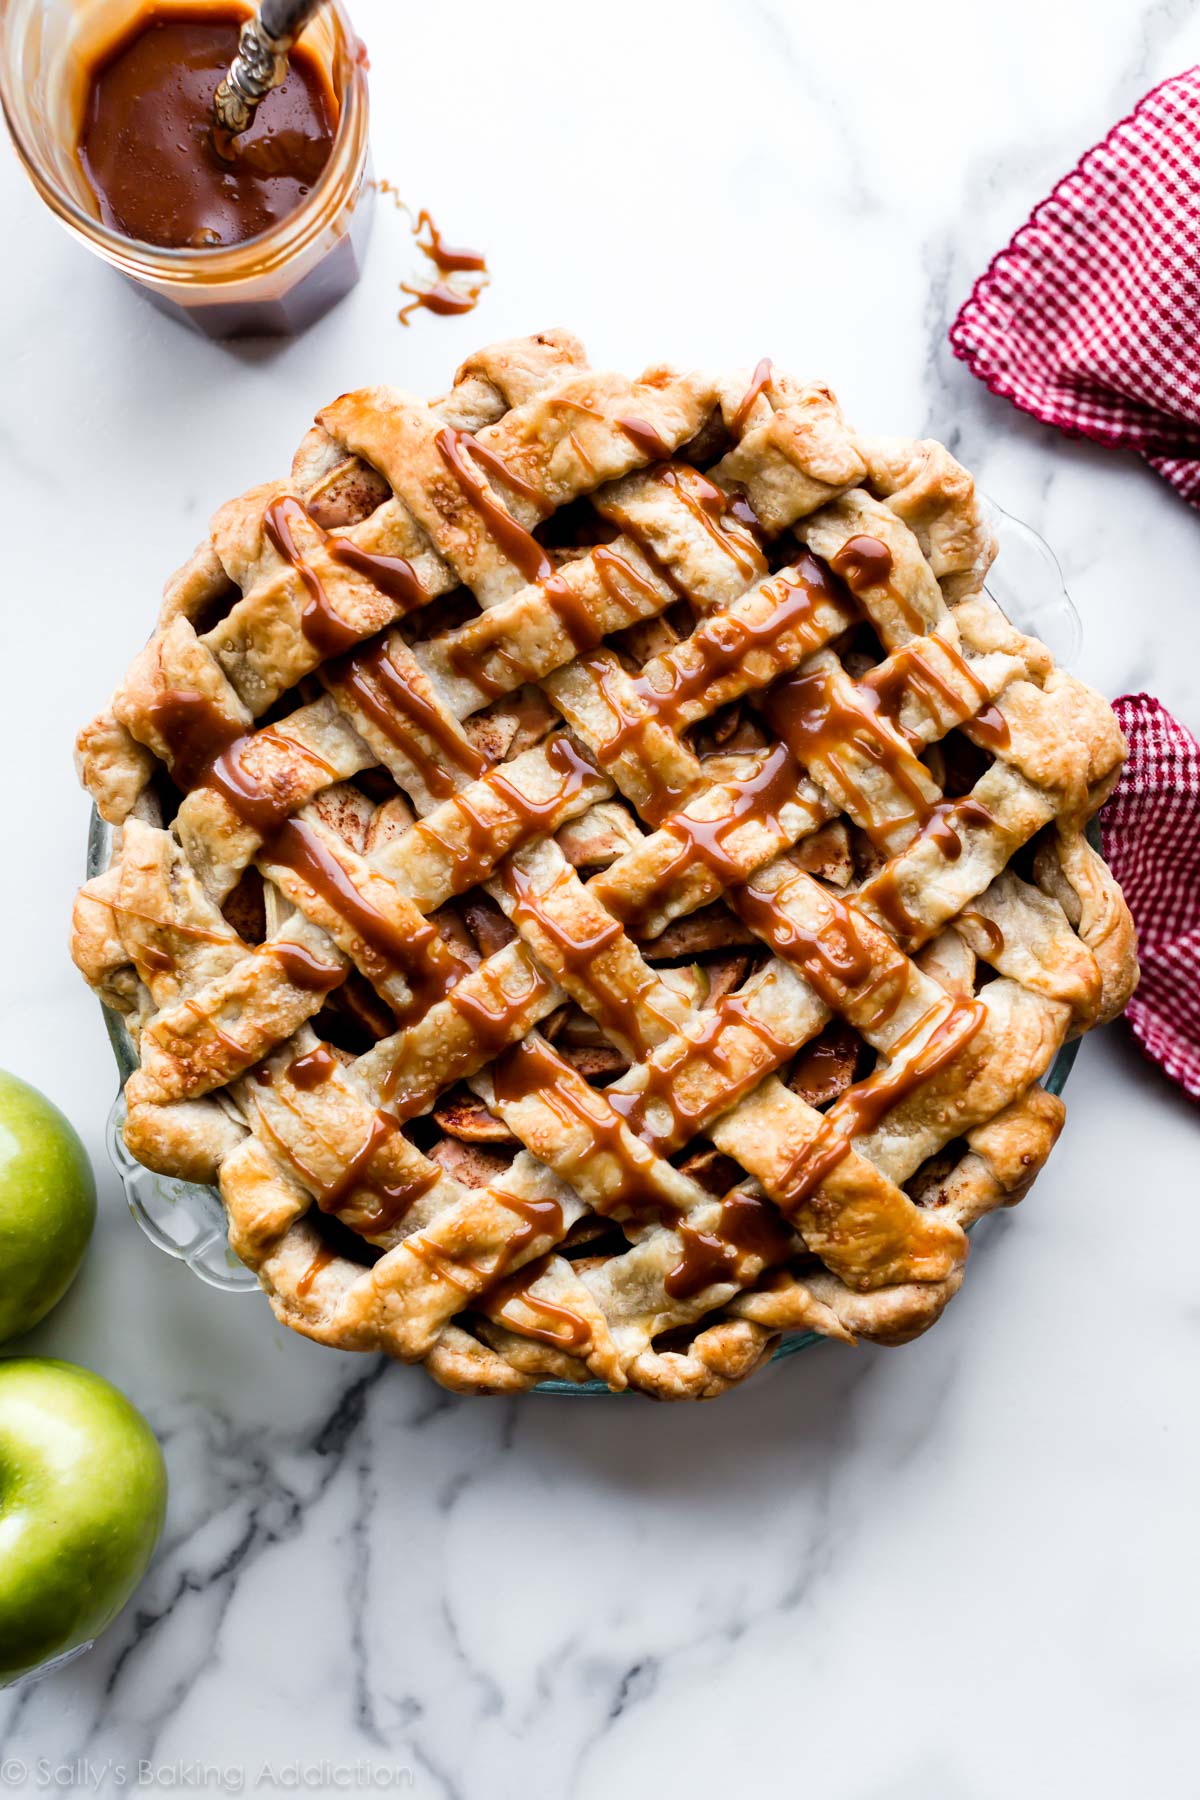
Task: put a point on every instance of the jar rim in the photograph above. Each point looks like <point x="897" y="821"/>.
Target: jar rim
<point x="266" y="250"/>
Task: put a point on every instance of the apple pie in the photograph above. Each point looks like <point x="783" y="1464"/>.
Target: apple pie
<point x="596" y="882"/>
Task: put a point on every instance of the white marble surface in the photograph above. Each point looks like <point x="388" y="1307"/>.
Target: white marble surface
<point x="960" y="1571"/>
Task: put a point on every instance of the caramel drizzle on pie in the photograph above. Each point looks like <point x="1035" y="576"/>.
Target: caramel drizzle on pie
<point x="861" y="1108"/>
<point x="532" y="1068"/>
<point x="327" y="632"/>
<point x="404" y="716"/>
<point x="758" y="381"/>
<point x="563" y="1329"/>
<point x="749" y="1226"/>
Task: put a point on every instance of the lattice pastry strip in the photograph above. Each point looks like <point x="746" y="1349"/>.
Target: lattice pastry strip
<point x="753" y="636"/>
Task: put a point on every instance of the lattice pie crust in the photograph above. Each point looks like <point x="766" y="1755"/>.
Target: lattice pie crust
<point x="597" y="883"/>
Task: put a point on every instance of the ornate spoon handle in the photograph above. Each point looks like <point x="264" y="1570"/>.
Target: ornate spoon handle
<point x="261" y="63"/>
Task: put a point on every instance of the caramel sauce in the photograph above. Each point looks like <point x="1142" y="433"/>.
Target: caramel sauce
<point x="663" y="1081"/>
<point x="205" y="750"/>
<point x="146" y="143"/>
<point x="305" y="971"/>
<point x="202" y="752"/>
<point x="993" y="936"/>
<point x="816" y="722"/>
<point x="990" y="727"/>
<point x="419" y="953"/>
<point x="942" y="821"/>
<point x="709" y="506"/>
<point x="392" y="575"/>
<point x="401" y="714"/>
<point x="759" y="799"/>
<point x="493" y="1027"/>
<point x="645" y="438"/>
<point x="565" y="1329"/>
<point x="861" y="1108"/>
<point x="753" y="1225"/>
<point x="834" y="957"/>
<point x="442" y="297"/>
<point x="533" y="1068"/>
<point x="758" y="381"/>
<point x="194" y="730"/>
<point x="321" y="1260"/>
<point x="908" y="671"/>
<point x="392" y="1199"/>
<point x="325" y="629"/>
<point x="446" y="260"/>
<point x="722" y="643"/>
<point x="235" y="1049"/>
<point x="863" y="562"/>
<point x="749" y="1227"/>
<point x="458" y="450"/>
<point x="615" y="1007"/>
<point x="706" y="1259"/>
<point x="620" y="580"/>
<point x="938" y="823"/>
<point x="312" y="1069"/>
<point x="328" y="633"/>
<point x="263" y="810"/>
<point x="474" y="858"/>
<point x="540" y="1219"/>
<point x="562" y="756"/>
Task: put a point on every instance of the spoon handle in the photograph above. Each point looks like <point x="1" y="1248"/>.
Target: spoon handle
<point x="261" y="63"/>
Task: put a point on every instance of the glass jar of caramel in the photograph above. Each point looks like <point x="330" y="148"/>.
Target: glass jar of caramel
<point x="76" y="113"/>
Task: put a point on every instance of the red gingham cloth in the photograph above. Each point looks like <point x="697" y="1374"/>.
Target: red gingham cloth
<point x="1150" y="830"/>
<point x="1090" y="318"/>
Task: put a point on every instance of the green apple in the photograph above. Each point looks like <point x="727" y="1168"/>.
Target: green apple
<point x="47" y="1206"/>
<point x="82" y="1496"/>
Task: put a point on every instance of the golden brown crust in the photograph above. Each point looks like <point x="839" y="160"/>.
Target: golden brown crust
<point x="586" y="836"/>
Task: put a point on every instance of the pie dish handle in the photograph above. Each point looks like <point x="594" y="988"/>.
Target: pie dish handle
<point x="1026" y="582"/>
<point x="179" y="1217"/>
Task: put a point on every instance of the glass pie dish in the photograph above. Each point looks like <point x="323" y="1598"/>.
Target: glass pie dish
<point x="187" y="1221"/>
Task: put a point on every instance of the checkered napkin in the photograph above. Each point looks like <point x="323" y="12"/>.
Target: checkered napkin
<point x="1090" y="318"/>
<point x="1151" y="835"/>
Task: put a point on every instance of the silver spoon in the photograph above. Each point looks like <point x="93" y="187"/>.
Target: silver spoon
<point x="261" y="64"/>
